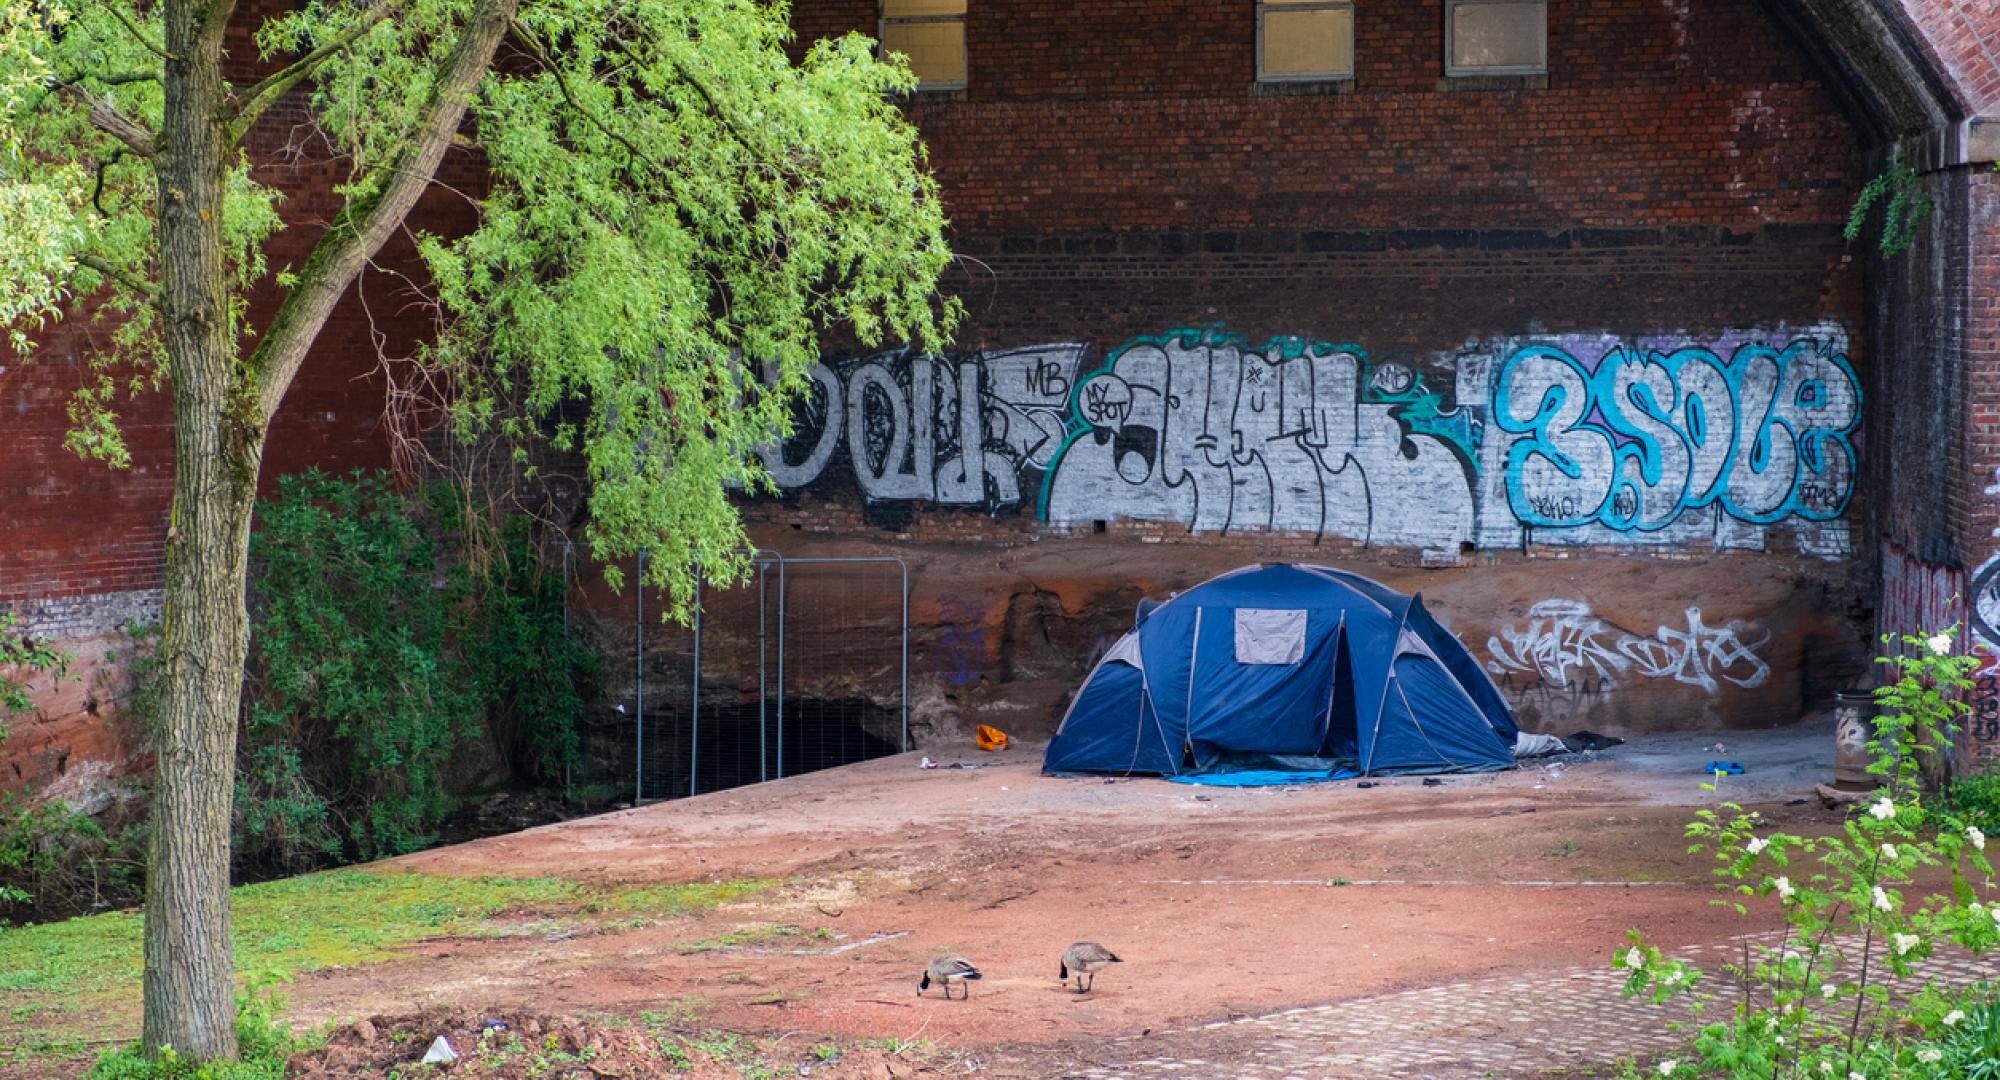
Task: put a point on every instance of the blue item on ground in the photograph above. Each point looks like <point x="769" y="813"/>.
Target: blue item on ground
<point x="1263" y="777"/>
<point x="1726" y="768"/>
<point x="1285" y="668"/>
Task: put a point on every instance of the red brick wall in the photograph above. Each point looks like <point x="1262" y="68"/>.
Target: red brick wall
<point x="77" y="528"/>
<point x="1135" y="116"/>
<point x="1964" y="36"/>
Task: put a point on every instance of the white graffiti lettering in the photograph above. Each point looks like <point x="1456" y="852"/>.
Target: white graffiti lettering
<point x="1564" y="645"/>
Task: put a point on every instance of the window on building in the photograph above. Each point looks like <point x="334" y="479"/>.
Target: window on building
<point x="932" y="34"/>
<point x="1496" y="37"/>
<point x="1305" y="39"/>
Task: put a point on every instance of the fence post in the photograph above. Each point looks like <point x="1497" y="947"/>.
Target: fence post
<point x="694" y="728"/>
<point x="639" y="681"/>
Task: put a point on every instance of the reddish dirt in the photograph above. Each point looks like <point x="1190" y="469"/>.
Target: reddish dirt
<point x="1008" y="867"/>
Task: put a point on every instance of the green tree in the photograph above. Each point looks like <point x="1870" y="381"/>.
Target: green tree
<point x="676" y="209"/>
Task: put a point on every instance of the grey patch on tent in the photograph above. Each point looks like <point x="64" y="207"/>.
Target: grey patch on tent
<point x="1409" y="643"/>
<point x="1125" y="652"/>
<point x="1270" y="636"/>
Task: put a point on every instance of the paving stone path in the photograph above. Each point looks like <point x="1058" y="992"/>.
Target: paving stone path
<point x="1565" y="1023"/>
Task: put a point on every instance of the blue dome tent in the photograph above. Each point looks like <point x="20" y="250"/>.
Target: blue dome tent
<point x="1291" y="668"/>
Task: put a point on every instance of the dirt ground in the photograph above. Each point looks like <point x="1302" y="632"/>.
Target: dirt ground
<point x="1222" y="902"/>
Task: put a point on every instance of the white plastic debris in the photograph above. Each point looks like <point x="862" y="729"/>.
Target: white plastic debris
<point x="440" y="1052"/>
<point x="927" y="763"/>
<point x="620" y="708"/>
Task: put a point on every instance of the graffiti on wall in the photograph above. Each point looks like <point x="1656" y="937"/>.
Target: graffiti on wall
<point x="1566" y="647"/>
<point x="1920" y="599"/>
<point x="1201" y="429"/>
<point x="1642" y="436"/>
<point x="1579" y="435"/>
<point x="1917" y="598"/>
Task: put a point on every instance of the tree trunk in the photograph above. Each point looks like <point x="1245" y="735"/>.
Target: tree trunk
<point x="189" y="975"/>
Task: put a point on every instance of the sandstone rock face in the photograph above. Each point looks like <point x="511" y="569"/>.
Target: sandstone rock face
<point x="1003" y="632"/>
<point x="78" y="738"/>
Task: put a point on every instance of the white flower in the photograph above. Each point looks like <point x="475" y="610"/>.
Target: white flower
<point x="1856" y="1076"/>
<point x="1889" y="852"/>
<point x="1827" y="990"/>
<point x="1930" y="1055"/>
<point x="1978" y="838"/>
<point x="1783" y="887"/>
<point x="1756" y="844"/>
<point x="1883" y="809"/>
<point x="1674" y="977"/>
<point x="1995" y="912"/>
<point x="1635" y="959"/>
<point x="1770" y="1024"/>
<point x="1881" y="899"/>
<point x="1826" y="1067"/>
<point x="1906" y="942"/>
<point x="1939" y="643"/>
<point x="1667" y="1067"/>
<point x="1952" y="1018"/>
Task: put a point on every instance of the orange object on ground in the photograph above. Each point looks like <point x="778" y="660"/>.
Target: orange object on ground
<point x="990" y="738"/>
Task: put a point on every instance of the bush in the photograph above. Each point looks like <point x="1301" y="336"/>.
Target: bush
<point x="57" y="862"/>
<point x="1976" y="798"/>
<point x="536" y="675"/>
<point x="378" y="647"/>
<point x="1792" y="1011"/>
<point x="353" y="702"/>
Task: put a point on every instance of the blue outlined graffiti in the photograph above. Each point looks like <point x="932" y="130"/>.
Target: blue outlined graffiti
<point x="1577" y="438"/>
<point x="1645" y="435"/>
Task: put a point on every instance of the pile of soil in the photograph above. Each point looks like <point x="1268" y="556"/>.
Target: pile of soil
<point x="517" y="1045"/>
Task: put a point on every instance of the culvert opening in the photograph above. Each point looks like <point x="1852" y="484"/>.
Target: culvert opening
<point x="739" y="743"/>
<point x="803" y="664"/>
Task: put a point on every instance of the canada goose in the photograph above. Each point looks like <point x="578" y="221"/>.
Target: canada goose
<point x="946" y="970"/>
<point x="1084" y="958"/>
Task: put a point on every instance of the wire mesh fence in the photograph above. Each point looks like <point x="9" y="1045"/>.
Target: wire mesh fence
<point x="803" y="667"/>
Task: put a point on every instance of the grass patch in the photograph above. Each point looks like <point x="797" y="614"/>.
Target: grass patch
<point x="343" y="918"/>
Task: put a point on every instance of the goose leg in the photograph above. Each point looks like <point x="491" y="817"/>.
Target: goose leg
<point x="1093" y="981"/>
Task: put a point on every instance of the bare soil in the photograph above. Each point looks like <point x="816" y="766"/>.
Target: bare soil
<point x="1222" y="901"/>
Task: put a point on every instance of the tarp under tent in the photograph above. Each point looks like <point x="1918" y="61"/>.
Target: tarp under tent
<point x="1291" y="669"/>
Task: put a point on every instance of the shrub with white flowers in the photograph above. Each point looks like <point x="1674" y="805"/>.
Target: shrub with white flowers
<point x="1814" y="1005"/>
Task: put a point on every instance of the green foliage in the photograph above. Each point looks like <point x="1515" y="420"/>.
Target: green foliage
<point x="677" y="204"/>
<point x="55" y="861"/>
<point x="1975" y="797"/>
<point x="1793" y="1011"/>
<point x="353" y="700"/>
<point x="1905" y="206"/>
<point x="536" y="676"/>
<point x="341" y="918"/>
<point x="22" y="658"/>
<point x="1970" y="1045"/>
<point x="265" y="1043"/>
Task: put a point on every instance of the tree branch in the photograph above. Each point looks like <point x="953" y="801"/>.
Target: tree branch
<point x="526" y="37"/>
<point x="138" y="34"/>
<point x="136" y="284"/>
<point x="105" y="117"/>
<point x="364" y="224"/>
<point x="277" y="84"/>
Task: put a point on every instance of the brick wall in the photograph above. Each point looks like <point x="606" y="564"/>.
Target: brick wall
<point x="1210" y="323"/>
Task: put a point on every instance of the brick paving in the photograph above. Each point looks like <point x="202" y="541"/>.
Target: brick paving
<point x="1572" y="1022"/>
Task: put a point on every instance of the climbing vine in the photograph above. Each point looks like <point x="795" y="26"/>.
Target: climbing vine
<point x="1905" y="206"/>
